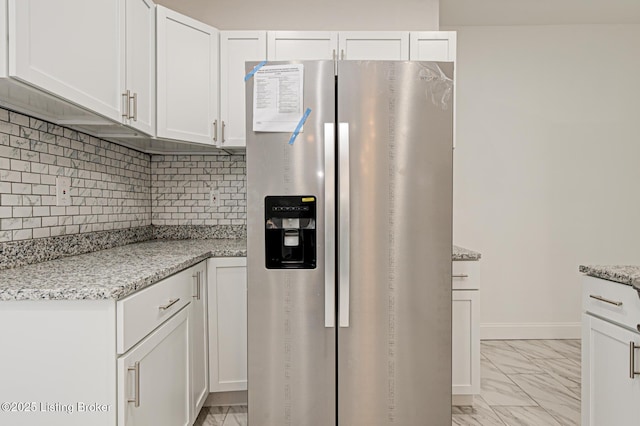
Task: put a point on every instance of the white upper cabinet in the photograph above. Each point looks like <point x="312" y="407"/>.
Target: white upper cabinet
<point x="236" y="47"/>
<point x="187" y="73"/>
<point x="433" y="46"/>
<point x="139" y="92"/>
<point x="3" y="42"/>
<point x="301" y="45"/>
<point x="374" y="45"/>
<point x="73" y="49"/>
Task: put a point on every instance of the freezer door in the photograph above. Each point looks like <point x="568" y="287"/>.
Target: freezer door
<point x="395" y="231"/>
<point x="291" y="338"/>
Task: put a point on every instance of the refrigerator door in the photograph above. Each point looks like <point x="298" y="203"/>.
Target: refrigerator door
<point x="291" y="339"/>
<point x="394" y="348"/>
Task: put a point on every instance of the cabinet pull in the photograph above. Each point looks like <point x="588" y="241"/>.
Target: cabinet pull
<point x="223" y="126"/>
<point x="136" y="395"/>
<point x="602" y="299"/>
<point x="125" y="104"/>
<point x="135" y="107"/>
<point x="632" y="360"/>
<point x="215" y="130"/>
<point x="459" y="276"/>
<point x="342" y="54"/>
<point x="333" y="54"/>
<point x="196" y="276"/>
<point x="168" y="305"/>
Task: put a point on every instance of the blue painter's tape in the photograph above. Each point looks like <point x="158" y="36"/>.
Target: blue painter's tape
<point x="254" y="70"/>
<point x="299" y="126"/>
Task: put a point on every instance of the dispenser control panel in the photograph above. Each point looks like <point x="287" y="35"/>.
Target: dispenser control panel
<point x="290" y="232"/>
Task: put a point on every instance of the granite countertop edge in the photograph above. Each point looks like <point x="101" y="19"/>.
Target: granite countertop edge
<point x="623" y="274"/>
<point x="461" y="253"/>
<point x="111" y="274"/>
<point x="118" y="272"/>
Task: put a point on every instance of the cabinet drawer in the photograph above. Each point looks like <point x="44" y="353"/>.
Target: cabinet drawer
<point x="465" y="275"/>
<point x="142" y="312"/>
<point x="621" y="303"/>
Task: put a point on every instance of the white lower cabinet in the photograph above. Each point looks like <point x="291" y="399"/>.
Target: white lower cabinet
<point x="227" y="324"/>
<point x="465" y="334"/>
<point x="138" y="361"/>
<point x="610" y="354"/>
<point x="153" y="378"/>
<point x="198" y="340"/>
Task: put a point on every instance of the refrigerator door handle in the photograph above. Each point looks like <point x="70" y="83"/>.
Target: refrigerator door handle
<point x="330" y="226"/>
<point x="344" y="228"/>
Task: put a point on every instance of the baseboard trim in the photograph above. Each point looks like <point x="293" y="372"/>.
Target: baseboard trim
<point x="217" y="399"/>
<point x="510" y="331"/>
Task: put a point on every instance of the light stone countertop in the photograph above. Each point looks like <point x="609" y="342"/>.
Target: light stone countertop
<point x="624" y="274"/>
<point x="117" y="272"/>
<point x="461" y="253"/>
<point x="113" y="273"/>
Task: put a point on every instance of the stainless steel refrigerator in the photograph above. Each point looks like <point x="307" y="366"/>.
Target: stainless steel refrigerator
<point x="349" y="250"/>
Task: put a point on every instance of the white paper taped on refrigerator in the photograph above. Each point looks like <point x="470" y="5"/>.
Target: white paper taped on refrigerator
<point x="278" y="98"/>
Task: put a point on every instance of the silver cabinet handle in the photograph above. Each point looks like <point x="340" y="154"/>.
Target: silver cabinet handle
<point x="222" y="136"/>
<point x="460" y="276"/>
<point x="168" y="305"/>
<point x="215" y="130"/>
<point x="333" y="54"/>
<point x="136" y="395"/>
<point x="196" y="277"/>
<point x="329" y="226"/>
<point x="135" y="107"/>
<point x="342" y="54"/>
<point x="125" y="104"/>
<point x="602" y="299"/>
<point x="632" y="360"/>
<point x="344" y="225"/>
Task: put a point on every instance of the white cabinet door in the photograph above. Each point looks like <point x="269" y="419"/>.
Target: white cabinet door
<point x="187" y="73"/>
<point x="227" y="324"/>
<point x="153" y="377"/>
<point x="374" y="45"/>
<point x="436" y="46"/>
<point x="433" y="46"/>
<point x="3" y="45"/>
<point x="465" y="347"/>
<point x="73" y="49"/>
<point x="301" y="45"/>
<point x="199" y="338"/>
<point x="140" y="85"/>
<point x="236" y="47"/>
<point x="609" y="395"/>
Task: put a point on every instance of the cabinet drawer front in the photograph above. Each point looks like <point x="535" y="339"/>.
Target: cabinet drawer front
<point x="142" y="312"/>
<point x="614" y="301"/>
<point x="465" y="275"/>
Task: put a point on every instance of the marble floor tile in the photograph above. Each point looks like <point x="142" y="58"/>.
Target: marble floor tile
<point x="568" y="348"/>
<point x="555" y="398"/>
<point x="478" y="414"/>
<point x="525" y="416"/>
<point x="497" y="389"/>
<point x="564" y="370"/>
<point x="211" y="416"/>
<point x="533" y="349"/>
<point x="236" y="416"/>
<point x="508" y="360"/>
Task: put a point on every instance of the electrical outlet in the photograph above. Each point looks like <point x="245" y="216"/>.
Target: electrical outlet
<point x="214" y="197"/>
<point x="63" y="191"/>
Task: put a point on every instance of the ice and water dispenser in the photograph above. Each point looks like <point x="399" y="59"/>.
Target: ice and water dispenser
<point x="290" y="232"/>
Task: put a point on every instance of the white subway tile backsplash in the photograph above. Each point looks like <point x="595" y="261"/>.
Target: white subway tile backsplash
<point x="112" y="187"/>
<point x="33" y="153"/>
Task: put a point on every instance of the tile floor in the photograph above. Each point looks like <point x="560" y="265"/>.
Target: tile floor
<point x="523" y="382"/>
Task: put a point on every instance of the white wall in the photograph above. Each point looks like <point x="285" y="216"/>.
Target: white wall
<point x="547" y="166"/>
<point x="311" y="15"/>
